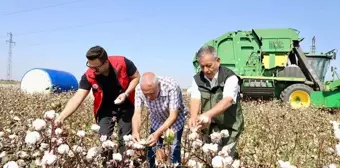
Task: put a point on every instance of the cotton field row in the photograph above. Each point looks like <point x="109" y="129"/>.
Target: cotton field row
<point x="274" y="136"/>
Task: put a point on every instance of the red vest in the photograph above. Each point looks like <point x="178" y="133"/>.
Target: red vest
<point x="118" y="64"/>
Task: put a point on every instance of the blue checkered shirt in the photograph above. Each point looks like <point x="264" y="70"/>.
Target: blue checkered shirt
<point x="170" y="98"/>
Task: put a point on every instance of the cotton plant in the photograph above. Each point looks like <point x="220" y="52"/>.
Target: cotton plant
<point x="214" y="157"/>
<point x="336" y="150"/>
<point x="336" y="133"/>
<point x="49" y="146"/>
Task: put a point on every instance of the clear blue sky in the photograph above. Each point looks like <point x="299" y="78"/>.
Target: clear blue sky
<point x="159" y="36"/>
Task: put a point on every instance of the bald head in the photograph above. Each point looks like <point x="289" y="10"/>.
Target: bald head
<point x="149" y="84"/>
<point x="148" y="80"/>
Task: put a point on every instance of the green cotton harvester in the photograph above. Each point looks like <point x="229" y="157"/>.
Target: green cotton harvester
<point x="272" y="64"/>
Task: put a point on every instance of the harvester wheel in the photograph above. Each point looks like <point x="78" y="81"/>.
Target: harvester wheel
<point x="297" y="95"/>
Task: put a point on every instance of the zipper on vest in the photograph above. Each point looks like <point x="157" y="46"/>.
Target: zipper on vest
<point x="210" y="101"/>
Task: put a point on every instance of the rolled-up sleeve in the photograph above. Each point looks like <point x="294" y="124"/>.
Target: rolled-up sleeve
<point x="139" y="101"/>
<point x="194" y="92"/>
<point x="231" y="88"/>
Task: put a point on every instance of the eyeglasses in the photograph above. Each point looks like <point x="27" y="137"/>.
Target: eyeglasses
<point x="94" y="67"/>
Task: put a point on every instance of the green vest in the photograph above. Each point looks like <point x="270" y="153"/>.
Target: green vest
<point x="232" y="119"/>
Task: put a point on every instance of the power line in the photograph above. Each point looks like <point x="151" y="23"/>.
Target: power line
<point x="9" y="68"/>
<point x="39" y="8"/>
<point x="85" y="25"/>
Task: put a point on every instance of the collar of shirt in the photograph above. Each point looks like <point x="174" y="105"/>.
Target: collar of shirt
<point x="212" y="82"/>
<point x="162" y="89"/>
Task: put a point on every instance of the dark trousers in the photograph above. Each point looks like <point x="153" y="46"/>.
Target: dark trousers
<point x="107" y="120"/>
<point x="175" y="149"/>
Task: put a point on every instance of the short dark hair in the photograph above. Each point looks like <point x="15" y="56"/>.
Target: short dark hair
<point x="96" y="52"/>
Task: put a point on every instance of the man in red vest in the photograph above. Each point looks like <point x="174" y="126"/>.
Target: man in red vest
<point x="113" y="80"/>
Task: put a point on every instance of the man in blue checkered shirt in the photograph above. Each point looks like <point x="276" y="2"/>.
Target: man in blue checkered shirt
<point x="163" y="98"/>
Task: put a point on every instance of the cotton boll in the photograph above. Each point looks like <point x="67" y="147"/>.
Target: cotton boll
<point x="335" y="125"/>
<point x="337" y="149"/>
<point x="1" y="134"/>
<point x="142" y="142"/>
<point x="213" y="148"/>
<point x="193" y="136"/>
<point x="236" y="164"/>
<point x="39" y="124"/>
<point x="210" y="148"/>
<point x="284" y="164"/>
<point x="225" y="133"/>
<point x="169" y="136"/>
<point x="127" y="138"/>
<point x="32" y="137"/>
<point x="191" y="163"/>
<point x="21" y="163"/>
<point x="204" y="119"/>
<point x="226" y="149"/>
<point x="49" y="158"/>
<point x="81" y="133"/>
<point x="36" y="154"/>
<point x="228" y="160"/>
<point x="199" y="165"/>
<point x="63" y="149"/>
<point x="108" y="144"/>
<point x="216" y="137"/>
<point x="130" y="152"/>
<point x="13" y="136"/>
<point x="92" y="152"/>
<point x="330" y="150"/>
<point x="44" y="145"/>
<point x="138" y="146"/>
<point x="11" y="164"/>
<point x="77" y="149"/>
<point x="58" y="131"/>
<point x="38" y="162"/>
<point x="103" y="138"/>
<point x="22" y="154"/>
<point x="50" y="115"/>
<point x="54" y="139"/>
<point x="197" y="144"/>
<point x="117" y="156"/>
<point x="337" y="134"/>
<point x="60" y="141"/>
<point x="129" y="144"/>
<point x="332" y="166"/>
<point x="3" y="154"/>
<point x="16" y="118"/>
<point x="70" y="154"/>
<point x="217" y="162"/>
<point x="205" y="148"/>
<point x="95" y="127"/>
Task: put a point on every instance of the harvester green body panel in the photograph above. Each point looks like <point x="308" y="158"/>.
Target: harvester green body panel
<point x="272" y="64"/>
<point x="330" y="97"/>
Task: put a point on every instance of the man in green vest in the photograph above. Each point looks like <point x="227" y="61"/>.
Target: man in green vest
<point x="215" y="97"/>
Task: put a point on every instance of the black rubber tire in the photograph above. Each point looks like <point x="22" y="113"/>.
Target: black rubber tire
<point x="290" y="89"/>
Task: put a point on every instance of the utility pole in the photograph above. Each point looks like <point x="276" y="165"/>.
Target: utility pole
<point x="9" y="66"/>
<point x="313" y="45"/>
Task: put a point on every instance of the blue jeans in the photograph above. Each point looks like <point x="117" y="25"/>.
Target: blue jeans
<point x="175" y="149"/>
